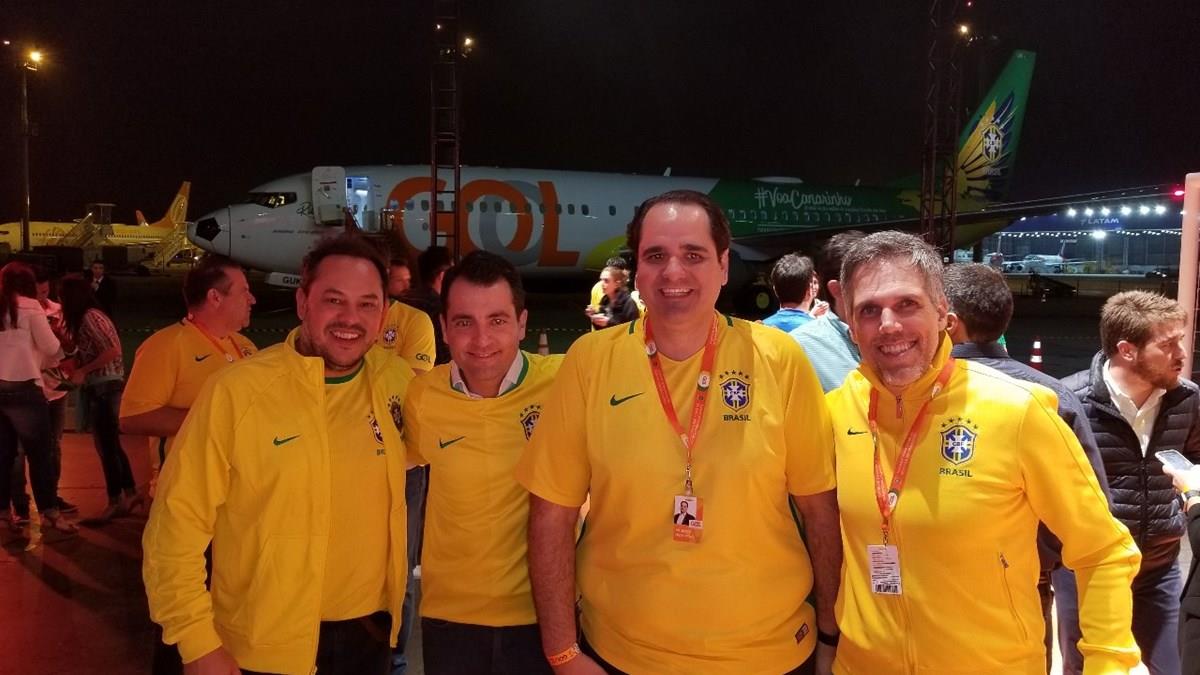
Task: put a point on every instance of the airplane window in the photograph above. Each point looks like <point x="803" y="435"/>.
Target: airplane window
<point x="271" y="200"/>
<point x="584" y="209"/>
<point x="528" y="208"/>
<point x="471" y="207"/>
<point x="541" y="208"/>
<point x="570" y="209"/>
<point x="408" y="205"/>
<point x="558" y="208"/>
<point x="424" y="204"/>
<point x="612" y="210"/>
<point x="483" y="207"/>
<point x="496" y="206"/>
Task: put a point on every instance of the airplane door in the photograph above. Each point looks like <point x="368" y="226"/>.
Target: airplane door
<point x="358" y="198"/>
<point x="329" y="194"/>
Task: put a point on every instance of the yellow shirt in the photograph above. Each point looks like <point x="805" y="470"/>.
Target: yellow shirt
<point x="409" y="333"/>
<point x="169" y="369"/>
<point x="735" y="602"/>
<point x="994" y="459"/>
<point x="358" y="542"/>
<point x="473" y="564"/>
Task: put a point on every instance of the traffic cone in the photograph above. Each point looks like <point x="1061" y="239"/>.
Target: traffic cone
<point x="543" y="344"/>
<point x="1035" y="357"/>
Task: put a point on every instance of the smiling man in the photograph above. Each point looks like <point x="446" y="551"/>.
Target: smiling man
<point x="683" y="406"/>
<point x="944" y="469"/>
<point x="292" y="464"/>
<point x="1138" y="404"/>
<point x="469" y="420"/>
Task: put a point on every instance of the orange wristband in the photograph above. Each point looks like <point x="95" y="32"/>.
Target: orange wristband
<point x="564" y="656"/>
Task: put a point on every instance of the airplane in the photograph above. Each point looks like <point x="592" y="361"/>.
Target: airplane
<point x="555" y="224"/>
<point x="42" y="233"/>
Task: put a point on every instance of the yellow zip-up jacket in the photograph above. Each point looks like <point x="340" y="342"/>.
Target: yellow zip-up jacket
<point x="994" y="458"/>
<point x="249" y="472"/>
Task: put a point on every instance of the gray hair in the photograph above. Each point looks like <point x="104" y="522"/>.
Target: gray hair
<point x="899" y="246"/>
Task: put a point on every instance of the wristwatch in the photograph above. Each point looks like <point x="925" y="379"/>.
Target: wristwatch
<point x="828" y="639"/>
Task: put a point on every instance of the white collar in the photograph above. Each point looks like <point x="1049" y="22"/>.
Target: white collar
<point x="516" y="372"/>
<point x="1121" y="398"/>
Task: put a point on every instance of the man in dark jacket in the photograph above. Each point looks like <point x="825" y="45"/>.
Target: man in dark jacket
<point x="981" y="307"/>
<point x="1137" y="404"/>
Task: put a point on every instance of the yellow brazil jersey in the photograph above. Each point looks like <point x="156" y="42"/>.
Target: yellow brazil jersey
<point x="993" y="459"/>
<point x="356" y="565"/>
<point x="737" y="601"/>
<point x="409" y="333"/>
<point x="169" y="369"/>
<point x="473" y="564"/>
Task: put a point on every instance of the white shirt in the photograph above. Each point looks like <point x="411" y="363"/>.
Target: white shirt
<point x="28" y="345"/>
<point x="1141" y="420"/>
<point x="511" y="378"/>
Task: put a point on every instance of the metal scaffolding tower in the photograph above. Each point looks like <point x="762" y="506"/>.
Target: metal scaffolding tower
<point x="444" y="127"/>
<point x="943" y="99"/>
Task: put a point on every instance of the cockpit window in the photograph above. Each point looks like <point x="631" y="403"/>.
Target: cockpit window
<point x="271" y="200"/>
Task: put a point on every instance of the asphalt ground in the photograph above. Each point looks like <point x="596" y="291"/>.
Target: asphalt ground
<point x="77" y="605"/>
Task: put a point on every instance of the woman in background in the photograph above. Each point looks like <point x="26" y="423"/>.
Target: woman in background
<point x="26" y="344"/>
<point x="101" y="372"/>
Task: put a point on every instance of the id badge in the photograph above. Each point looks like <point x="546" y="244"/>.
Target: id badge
<point x="885" y="569"/>
<point x="687" y="519"/>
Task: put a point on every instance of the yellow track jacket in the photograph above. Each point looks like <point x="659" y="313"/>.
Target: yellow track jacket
<point x="993" y="460"/>
<point x="250" y="473"/>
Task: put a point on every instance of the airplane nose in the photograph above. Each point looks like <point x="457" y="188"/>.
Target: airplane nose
<point x="208" y="228"/>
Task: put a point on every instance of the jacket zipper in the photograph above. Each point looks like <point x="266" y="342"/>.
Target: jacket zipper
<point x="909" y="652"/>
<point x="1012" y="605"/>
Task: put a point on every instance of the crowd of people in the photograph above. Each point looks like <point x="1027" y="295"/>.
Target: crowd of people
<point x="863" y="483"/>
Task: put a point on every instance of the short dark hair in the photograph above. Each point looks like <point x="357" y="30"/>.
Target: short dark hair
<point x="483" y="268"/>
<point x="349" y="244"/>
<point x="398" y="261"/>
<point x="431" y="262"/>
<point x="617" y="262"/>
<point x="829" y="260"/>
<point x="894" y="245"/>
<point x="717" y="222"/>
<point x="979" y="296"/>
<point x="791" y="277"/>
<point x="208" y="274"/>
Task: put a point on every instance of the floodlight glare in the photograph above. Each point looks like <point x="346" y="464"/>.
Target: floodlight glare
<point x="1089" y="212"/>
<point x="1104" y="211"/>
<point x="1160" y="209"/>
<point x="1099" y="234"/>
<point x="1143" y="210"/>
<point x="1071" y="213"/>
<point x="1125" y="210"/>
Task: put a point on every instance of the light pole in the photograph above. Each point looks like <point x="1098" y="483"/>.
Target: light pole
<point x="29" y="63"/>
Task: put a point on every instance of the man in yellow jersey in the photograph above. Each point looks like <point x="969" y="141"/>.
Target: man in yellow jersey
<point x="944" y="469"/>
<point x="173" y="363"/>
<point x="685" y="405"/>
<point x="292" y="464"/>
<point x="469" y="420"/>
<point x="406" y="330"/>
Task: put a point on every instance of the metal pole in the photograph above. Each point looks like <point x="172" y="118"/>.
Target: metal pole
<point x="1189" y="261"/>
<point x="25" y="156"/>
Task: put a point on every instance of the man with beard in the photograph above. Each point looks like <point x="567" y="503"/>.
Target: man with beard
<point x="292" y="464"/>
<point x="1138" y="404"/>
<point x="941" y="568"/>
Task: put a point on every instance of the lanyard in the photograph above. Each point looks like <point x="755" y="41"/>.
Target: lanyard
<point x="887" y="500"/>
<point x="664" y="395"/>
<point x="217" y="343"/>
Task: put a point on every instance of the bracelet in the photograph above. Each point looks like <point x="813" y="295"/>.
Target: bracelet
<point x="828" y="639"/>
<point x="564" y="656"/>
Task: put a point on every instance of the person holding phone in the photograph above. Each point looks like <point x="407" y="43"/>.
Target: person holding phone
<point x="1187" y="482"/>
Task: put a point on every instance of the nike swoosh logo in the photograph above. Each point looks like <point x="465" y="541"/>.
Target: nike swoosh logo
<point x="851" y="432"/>
<point x="280" y="441"/>
<point x="614" y="401"/>
<point x="201" y="358"/>
<point x="450" y="442"/>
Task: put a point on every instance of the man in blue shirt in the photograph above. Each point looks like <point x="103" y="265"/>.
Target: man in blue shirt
<point x="794" y="281"/>
<point x="826" y="339"/>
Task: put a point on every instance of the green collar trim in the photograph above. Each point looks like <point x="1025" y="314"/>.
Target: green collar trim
<point x="343" y="379"/>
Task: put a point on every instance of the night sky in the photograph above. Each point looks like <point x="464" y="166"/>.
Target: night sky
<point x="139" y="96"/>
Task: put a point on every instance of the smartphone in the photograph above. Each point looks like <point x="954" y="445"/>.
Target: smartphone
<point x="1173" y="459"/>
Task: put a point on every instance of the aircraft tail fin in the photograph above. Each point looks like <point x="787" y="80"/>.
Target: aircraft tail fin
<point x="987" y="147"/>
<point x="176" y="214"/>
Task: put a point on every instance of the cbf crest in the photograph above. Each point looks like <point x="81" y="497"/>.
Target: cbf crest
<point x="389" y="337"/>
<point x="529" y="418"/>
<point x="735" y="394"/>
<point x="958" y="440"/>
<point x="396" y="407"/>
<point x="375" y="430"/>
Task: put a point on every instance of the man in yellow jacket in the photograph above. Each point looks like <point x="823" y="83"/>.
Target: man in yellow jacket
<point x="292" y="465"/>
<point x="944" y="469"/>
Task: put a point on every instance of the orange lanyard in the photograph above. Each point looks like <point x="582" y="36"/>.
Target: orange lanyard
<point x="664" y="395"/>
<point x="217" y="343"/>
<point x="887" y="499"/>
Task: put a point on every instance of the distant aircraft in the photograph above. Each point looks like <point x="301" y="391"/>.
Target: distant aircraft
<point x="563" y="223"/>
<point x="43" y="233"/>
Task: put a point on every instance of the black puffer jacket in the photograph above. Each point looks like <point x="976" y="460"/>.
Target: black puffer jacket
<point x="1142" y="495"/>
